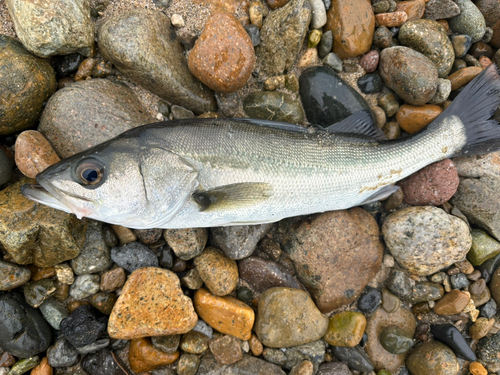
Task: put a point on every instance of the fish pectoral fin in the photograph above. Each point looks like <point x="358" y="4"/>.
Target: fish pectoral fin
<point x="383" y="193"/>
<point x="358" y="123"/>
<point x="233" y="196"/>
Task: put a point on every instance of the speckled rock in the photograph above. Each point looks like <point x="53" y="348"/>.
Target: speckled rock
<point x="414" y="8"/>
<point x="210" y="366"/>
<point x="34" y="153"/>
<point x="26" y="82"/>
<point x="345" y="329"/>
<point x="36" y="292"/>
<point x="186" y="243"/>
<point x="223" y="56"/>
<point x="134" y="255"/>
<point x="33" y="233"/>
<point x="218" y="272"/>
<point x="13" y="275"/>
<point x="238" y="241"/>
<point x="408" y="233"/>
<point x="273" y="105"/>
<point x="335" y="255"/>
<point x="42" y="27"/>
<point x="432" y="357"/>
<point x="226" y="349"/>
<point x="491" y="12"/>
<point x="369" y="62"/>
<point x="54" y="312"/>
<point x="443" y="91"/>
<point x="333" y="368"/>
<point x="440" y="9"/>
<point x="470" y="21"/>
<point x="84" y="286"/>
<point x="112" y="279"/>
<point x="352" y="24"/>
<point x="288" y="358"/>
<point x="95" y="254"/>
<point x="148" y="295"/>
<point x="282" y="35"/>
<point x="488" y="349"/>
<point x="104" y="362"/>
<point x="87" y="113"/>
<point x="138" y="42"/>
<point x="409" y="73"/>
<point x="393" y="19"/>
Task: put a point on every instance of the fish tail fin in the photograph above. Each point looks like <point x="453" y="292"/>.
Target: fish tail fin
<point x="475" y="106"/>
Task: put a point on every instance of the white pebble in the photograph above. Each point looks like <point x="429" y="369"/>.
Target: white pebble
<point x="177" y="21"/>
<point x="204" y="328"/>
<point x="388" y="260"/>
<point x="318" y="17"/>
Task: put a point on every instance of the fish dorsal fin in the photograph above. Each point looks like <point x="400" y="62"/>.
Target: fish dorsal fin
<point x="274" y="124"/>
<point x="233" y="196"/>
<point x="358" y="123"/>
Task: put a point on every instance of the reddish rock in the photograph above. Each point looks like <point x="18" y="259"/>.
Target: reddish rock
<point x="463" y="76"/>
<point x="143" y="356"/>
<point x="414" y="9"/>
<point x="491" y="12"/>
<point x="484" y="61"/>
<point x="432" y="185"/>
<point x="34" y="153"/>
<point x="226" y="349"/>
<point x="394" y="19"/>
<point x="112" y="279"/>
<point x="414" y="118"/>
<point x="223" y="57"/>
<point x="43" y="368"/>
<point x="369" y="62"/>
<point x="352" y="23"/>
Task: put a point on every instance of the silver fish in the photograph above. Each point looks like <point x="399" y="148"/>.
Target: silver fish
<point x="217" y="172"/>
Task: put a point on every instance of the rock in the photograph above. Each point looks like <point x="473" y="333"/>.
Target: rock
<point x="495" y="286"/>
<point x="291" y="357"/>
<point x="225" y="314"/>
<point x="480" y="293"/>
<point x="143" y="356"/>
<point x="470" y="21"/>
<point x="390" y="302"/>
<point x="90" y="112"/>
<point x="26" y="83"/>
<point x="442" y="93"/>
<point x="161" y="67"/>
<point x="461" y="45"/>
<point x="331" y="268"/>
<point x="82" y="327"/>
<point x="43" y="368"/>
<point x="382" y="38"/>
<point x="352" y="24"/>
<point x="425" y="291"/>
<point x="489" y="309"/>
<point x="477" y="368"/>
<point x="192" y="280"/>
<point x="480" y="328"/>
<point x="370" y="84"/>
<point x="355" y="358"/>
<point x="280" y="311"/>
<point x="459" y="281"/>
<point x="326" y="44"/>
<point x="254" y="34"/>
<point x="369" y="300"/>
<point x="34" y="153"/>
<point x="133" y="256"/>
<point x="414" y="9"/>
<point x="103" y="302"/>
<point x="23" y="331"/>
<point x="491" y="11"/>
<point x="223" y="57"/>
<point x="35" y="292"/>
<point x="333" y="368"/>
<point x="449" y="335"/>
<point x="209" y="366"/>
<point x="226" y="349"/>
<point x="429" y="38"/>
<point x="483" y="248"/>
<point x="395" y="341"/>
<point x="440" y="9"/>
<point x="262" y="274"/>
<point x="407" y="234"/>
<point x="5" y="167"/>
<point x="331" y="60"/>
<point x="400" y="283"/>
<point x="104" y="362"/>
<point x="451" y="303"/>
<point x="432" y="357"/>
<point x="112" y="279"/>
<point x="186" y="243"/>
<point x="282" y="35"/>
<point x="345" y="329"/>
<point x="167" y="344"/>
<point x="393" y="19"/>
<point x="188" y="364"/>
<point x="463" y="76"/>
<point x="411" y="75"/>
<point x="34" y="233"/>
<point x="377" y="323"/>
<point x="13" y="275"/>
<point x="488" y="348"/>
<point x="62" y="354"/>
<point x="369" y="62"/>
<point x="54" y="312"/>
<point x="194" y="342"/>
<point x="148" y="295"/>
<point x="432" y="185"/>
<point x="24" y="365"/>
<point x="95" y="254"/>
<point x="318" y="14"/>
<point x="238" y="241"/>
<point x="273" y="105"/>
<point x="84" y="286"/>
<point x="219" y="273"/>
<point x="148" y="236"/>
<point x="42" y="27"/>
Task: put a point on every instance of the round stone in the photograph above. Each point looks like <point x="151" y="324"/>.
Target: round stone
<point x="483" y="247"/>
<point x="186" y="243"/>
<point x="62" y="354"/>
<point x="394" y="340"/>
<point x="34" y="153"/>
<point x="345" y="329"/>
<point x="369" y="300"/>
<point x="470" y="21"/>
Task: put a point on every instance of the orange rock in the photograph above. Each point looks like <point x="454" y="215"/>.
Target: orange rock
<point x="451" y="303"/>
<point x="414" y="118"/>
<point x="223" y="57"/>
<point x="143" y="356"/>
<point x="34" y="153"/>
<point x="352" y="23"/>
<point x="43" y="368"/>
<point x="225" y="314"/>
<point x="463" y="76"/>
<point x="394" y="19"/>
<point x="476" y="368"/>
<point x="273" y="4"/>
<point x="149" y="296"/>
<point x="42" y="273"/>
<point x="484" y="61"/>
<point x="414" y="9"/>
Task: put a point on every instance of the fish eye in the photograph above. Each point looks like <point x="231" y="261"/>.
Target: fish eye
<point x="90" y="172"/>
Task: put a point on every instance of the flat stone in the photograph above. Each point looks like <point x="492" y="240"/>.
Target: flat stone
<point x="440" y="9"/>
<point x="225" y="314"/>
<point x="432" y="357"/>
<point x="143" y="356"/>
<point x="139" y="45"/>
<point x="148" y="296"/>
<point x="452" y="303"/>
<point x="34" y="153"/>
<point x="393" y="19"/>
<point x="218" y="272"/>
<point x="463" y="76"/>
<point x="238" y="241"/>
<point x="345" y="329"/>
<point x="470" y="21"/>
<point x="13" y="275"/>
<point x="210" y="366"/>
<point x="36" y="292"/>
<point x="273" y="105"/>
<point x="480" y="328"/>
<point x="479" y="292"/>
<point x="62" y="354"/>
<point x="186" y="243"/>
<point x="223" y="57"/>
<point x="226" y="349"/>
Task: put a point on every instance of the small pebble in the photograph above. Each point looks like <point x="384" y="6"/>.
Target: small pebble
<point x="333" y="61"/>
<point x="463" y="76"/>
<point x="481" y="327"/>
<point x="459" y="281"/>
<point x="254" y="34"/>
<point x="177" y="21"/>
<point x="414" y="118"/>
<point x="370" y="83"/>
<point x="395" y="341"/>
<point x="226" y="349"/>
<point x="33" y="153"/>
<point x="84" y="286"/>
<point x="369" y="300"/>
<point x="186" y="243"/>
<point x="188" y="364"/>
<point x="452" y="303"/>
<point x="85" y="69"/>
<point x="194" y="342"/>
<point x="314" y="38"/>
<point x="345" y="329"/>
<point x="394" y="19"/>
<point x="477" y="368"/>
<point x="112" y="280"/>
<point x="125" y="235"/>
<point x="143" y="356"/>
<point x="255" y="13"/>
<point x="62" y="354"/>
<point x="326" y="44"/>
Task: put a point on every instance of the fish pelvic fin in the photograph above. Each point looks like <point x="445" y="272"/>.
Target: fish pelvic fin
<point x="233" y="196"/>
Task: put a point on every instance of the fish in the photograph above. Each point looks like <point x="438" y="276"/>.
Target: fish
<point x="195" y="173"/>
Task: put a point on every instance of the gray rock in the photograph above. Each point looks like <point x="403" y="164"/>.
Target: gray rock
<point x="461" y="45"/>
<point x="6" y="166"/>
<point x="313" y="351"/>
<point x="476" y="166"/>
<point x="238" y="241"/>
<point x="90" y="112"/>
<point x="141" y="44"/>
<point x="167" y="344"/>
<point x="426" y="239"/>
<point x="488" y="348"/>
<point x="333" y="61"/>
<point x="62" y="354"/>
<point x="333" y="368"/>
<point x="273" y="105"/>
<point x="470" y="21"/>
<point x="54" y="312"/>
<point x="179" y="112"/>
<point x="443" y="91"/>
<point x="355" y="358"/>
<point x="282" y="35"/>
<point x="93" y="347"/>
<point x="43" y="27"/>
<point x="12" y="275"/>
<point x="425" y="291"/>
<point x="204" y="328"/>
<point x="459" y="281"/>
<point x="104" y="362"/>
<point x="134" y="255"/>
<point x="95" y="255"/>
<point x="318" y="14"/>
<point x="209" y="366"/>
<point x="326" y="43"/>
<point x="400" y="283"/>
<point x="38" y="291"/>
<point x="84" y="286"/>
<point x="440" y="9"/>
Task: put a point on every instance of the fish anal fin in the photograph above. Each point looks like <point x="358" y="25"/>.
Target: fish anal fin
<point x="358" y="123"/>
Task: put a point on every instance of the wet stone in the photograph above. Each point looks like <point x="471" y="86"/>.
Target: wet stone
<point x="54" y="312"/>
<point x="354" y="357"/>
<point x="93" y="347"/>
<point x="449" y="335"/>
<point x="226" y="349"/>
<point x="194" y="342"/>
<point x="12" y="275"/>
<point x="370" y="83"/>
<point x="82" y="327"/>
<point x="470" y="21"/>
<point x="488" y="348"/>
<point x="480" y="293"/>
<point x="143" y="356"/>
<point x="452" y="303"/>
<point x="326" y="44"/>
<point x="369" y="62"/>
<point x="104" y="362"/>
<point x="273" y="105"/>
<point x="36" y="292"/>
<point x="459" y="281"/>
<point x="112" y="279"/>
<point x="495" y="286"/>
<point x="390" y="302"/>
<point x="345" y="329"/>
<point x="399" y="283"/>
<point x="414" y="118"/>
<point x="425" y="291"/>
<point x="443" y="91"/>
<point x="313" y="351"/>
<point x="167" y="344"/>
<point x="333" y="61"/>
<point x="395" y="341"/>
<point x="219" y="273"/>
<point x="461" y="45"/>
<point x="95" y="254"/>
<point x="483" y="247"/>
<point x="186" y="243"/>
<point x="463" y="76"/>
<point x="392" y="19"/>
<point x="238" y="241"/>
<point x="382" y="38"/>
<point x="432" y="358"/>
<point x="24" y="365"/>
<point x="179" y="112"/>
<point x="62" y="354"/>
<point x="84" y="286"/>
<point x="133" y="256"/>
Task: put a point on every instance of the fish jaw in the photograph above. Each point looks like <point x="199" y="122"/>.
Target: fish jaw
<point x="39" y="194"/>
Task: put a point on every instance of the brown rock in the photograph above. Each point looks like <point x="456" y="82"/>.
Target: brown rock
<point x="125" y="235"/>
<point x="149" y="295"/>
<point x="414" y="9"/>
<point x="72" y="306"/>
<point x="432" y="357"/>
<point x="219" y="273"/>
<point x="6" y="359"/>
<point x="223" y="57"/>
<point x="369" y="62"/>
<point x="495" y="286"/>
<point x="43" y="368"/>
<point x="480" y="328"/>
<point x="226" y="349"/>
<point x="485" y="61"/>
<point x="194" y="342"/>
<point x="394" y="19"/>
<point x="85" y="69"/>
<point x="432" y="185"/>
<point x="463" y="76"/>
<point x="255" y="13"/>
<point x="186" y="243"/>
<point x="452" y="303"/>
<point x="143" y="356"/>
<point x="491" y="12"/>
<point x="352" y="23"/>
<point x="336" y="254"/>
<point x="225" y="314"/>
<point x="380" y="320"/>
<point x="255" y="345"/>
<point x="414" y="118"/>
<point x="34" y="153"/>
<point x="479" y="292"/>
<point x="42" y="273"/>
<point x="273" y="4"/>
<point x="303" y="368"/>
<point x="112" y="279"/>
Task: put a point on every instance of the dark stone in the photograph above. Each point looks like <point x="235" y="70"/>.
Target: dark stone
<point x="489" y="267"/>
<point x="326" y="43"/>
<point x="148" y="236"/>
<point x="23" y="331"/>
<point x="118" y="344"/>
<point x="399" y="283"/>
<point x="355" y="358"/>
<point x="459" y="281"/>
<point x="65" y="65"/>
<point x="461" y="45"/>
<point x="238" y="241"/>
<point x="425" y="291"/>
<point x="333" y="368"/>
<point x="370" y="83"/>
<point x="134" y="255"/>
<point x="12" y="275"/>
<point x="449" y="335"/>
<point x="254" y="34"/>
<point x="62" y="354"/>
<point x="488" y="348"/>
<point x="38" y="291"/>
<point x="327" y="99"/>
<point x="489" y="309"/>
<point x="244" y="294"/>
<point x="6" y="165"/>
<point x="166" y="258"/>
<point x="104" y="362"/>
<point x="93" y="347"/>
<point x="369" y="300"/>
<point x="82" y="327"/>
<point x="394" y="340"/>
